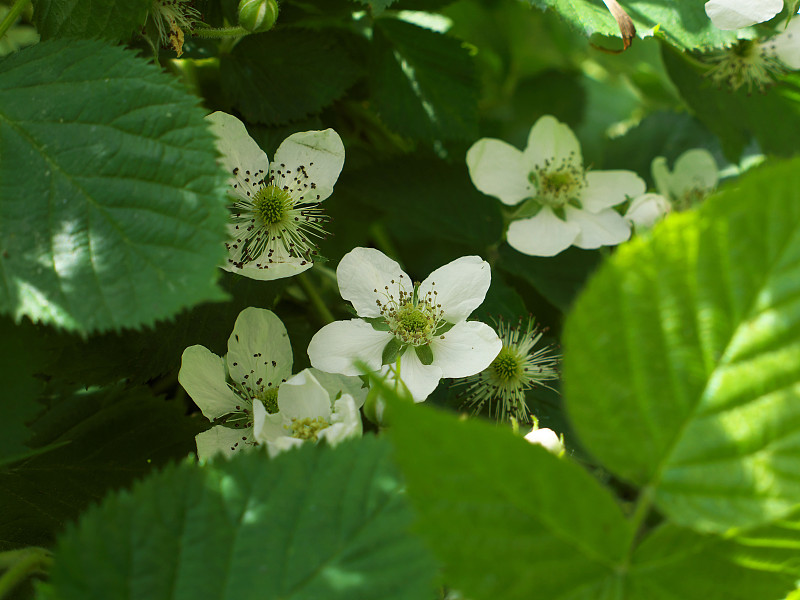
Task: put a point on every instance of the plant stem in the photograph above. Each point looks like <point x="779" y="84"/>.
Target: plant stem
<point x="641" y="509"/>
<point x="325" y="315"/>
<point x="21" y="564"/>
<point x="222" y="32"/>
<point x="13" y="15"/>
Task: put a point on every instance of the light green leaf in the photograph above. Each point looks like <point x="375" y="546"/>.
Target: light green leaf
<point x="682" y="24"/>
<point x="314" y="523"/>
<point x="423" y="83"/>
<point x="112" y="206"/>
<point x="285" y="75"/>
<point x="113" y="20"/>
<point x="682" y="359"/>
<point x="508" y="519"/>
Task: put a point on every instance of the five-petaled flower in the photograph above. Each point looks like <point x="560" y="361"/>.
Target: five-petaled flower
<point x="276" y="216"/>
<point x="561" y="204"/>
<point x="250" y="376"/>
<point x="420" y="328"/>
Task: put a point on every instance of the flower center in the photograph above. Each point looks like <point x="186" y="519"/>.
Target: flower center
<point x="557" y="185"/>
<point x="507" y="365"/>
<point x="308" y="428"/>
<point x="271" y="204"/>
<point x="269" y="397"/>
<point x="745" y="64"/>
<point x="412" y="319"/>
<point x="414" y="323"/>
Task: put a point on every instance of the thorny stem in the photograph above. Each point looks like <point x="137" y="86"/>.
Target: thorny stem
<point x="13" y="15"/>
<point x="320" y="308"/>
<point x="20" y="565"/>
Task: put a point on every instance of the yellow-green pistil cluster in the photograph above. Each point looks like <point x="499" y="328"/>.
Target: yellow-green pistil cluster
<point x="502" y="385"/>
<point x="413" y="319"/>
<point x="307" y="428"/>
<point x="274" y="222"/>
<point x="557" y="184"/>
<point x="745" y="64"/>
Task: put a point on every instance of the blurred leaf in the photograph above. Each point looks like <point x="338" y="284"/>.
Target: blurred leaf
<point x="111" y="437"/>
<point x="114" y="20"/>
<point x="314" y="523"/>
<point x="682" y="359"/>
<point x="284" y="75"/>
<point x="423" y="83"/>
<point x="111" y="203"/>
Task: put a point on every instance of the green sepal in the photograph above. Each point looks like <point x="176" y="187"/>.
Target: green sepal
<point x="378" y="323"/>
<point x="444" y="328"/>
<point x="391" y="351"/>
<point x="425" y="354"/>
<point x="529" y="208"/>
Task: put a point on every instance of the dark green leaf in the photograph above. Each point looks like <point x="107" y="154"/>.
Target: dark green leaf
<point x="113" y="20"/>
<point x="315" y="523"/>
<point x="111" y="202"/>
<point x="424" y="354"/>
<point x="284" y="75"/>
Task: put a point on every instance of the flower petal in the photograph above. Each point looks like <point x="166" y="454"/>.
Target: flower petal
<point x="308" y="164"/>
<point x="646" y="210"/>
<point x="266" y="427"/>
<point x="696" y="168"/>
<point x="345" y="422"/>
<point x="786" y="46"/>
<point x="605" y="189"/>
<point x="336" y="384"/>
<point x="222" y="440"/>
<point x="302" y="397"/>
<point x="259" y="351"/>
<point x="202" y="375"/>
<point x="735" y="14"/>
<point x="546" y="438"/>
<point x="420" y="379"/>
<point x="282" y="444"/>
<point x="542" y="235"/>
<point x="276" y="266"/>
<point x="552" y="143"/>
<point x="500" y="170"/>
<point x="606" y="228"/>
<point x="460" y="286"/>
<point x="364" y="274"/>
<point x="240" y="153"/>
<point x="339" y="345"/>
<point x="468" y="348"/>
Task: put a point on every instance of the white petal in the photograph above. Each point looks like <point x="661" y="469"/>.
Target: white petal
<point x="202" y="375"/>
<point x="222" y="440"/>
<point x="786" y="45"/>
<point x="420" y="379"/>
<point x="606" y="228"/>
<point x="337" y="347"/>
<point x="500" y="170"/>
<point x="306" y="158"/>
<point x="259" y="351"/>
<point x="552" y="142"/>
<point x="240" y="153"/>
<point x="547" y="438"/>
<point x="605" y="189"/>
<point x="735" y="14"/>
<point x="282" y="444"/>
<point x="468" y="348"/>
<point x="277" y="266"/>
<point x="266" y="427"/>
<point x="345" y="422"/>
<point x="695" y="169"/>
<point x="542" y="235"/>
<point x="336" y="384"/>
<point x="302" y="397"/>
<point x="647" y="210"/>
<point x="364" y="274"/>
<point x="460" y="286"/>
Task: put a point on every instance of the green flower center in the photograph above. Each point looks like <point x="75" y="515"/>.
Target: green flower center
<point x="507" y="365"/>
<point x="414" y="324"/>
<point x="308" y="428"/>
<point x="272" y="204"/>
<point x="557" y="186"/>
<point x="270" y="399"/>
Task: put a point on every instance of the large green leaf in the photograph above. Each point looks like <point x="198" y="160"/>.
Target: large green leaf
<point x="511" y="521"/>
<point x="281" y="76"/>
<point x="683" y="24"/>
<point x="110" y="19"/>
<point x="99" y="440"/>
<point x="314" y="523"/>
<point x="423" y="83"/>
<point x="682" y="357"/>
<point x="112" y="207"/>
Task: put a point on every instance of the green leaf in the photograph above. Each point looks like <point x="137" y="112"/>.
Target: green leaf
<point x="107" y="439"/>
<point x="423" y="83"/>
<point x="314" y="523"/>
<point x="507" y="518"/>
<point x="682" y="360"/>
<point x="424" y="354"/>
<point x="111" y="202"/>
<point x="377" y="6"/>
<point x="771" y="117"/>
<point x="113" y="20"/>
<point x="280" y="76"/>
<point x="683" y="24"/>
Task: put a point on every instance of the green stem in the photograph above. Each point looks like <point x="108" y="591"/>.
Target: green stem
<point x="325" y="315"/>
<point x="21" y="564"/>
<point x="13" y="15"/>
<point x="221" y="32"/>
<point x="641" y="510"/>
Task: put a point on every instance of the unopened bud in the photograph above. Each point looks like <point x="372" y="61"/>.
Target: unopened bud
<point x="257" y="15"/>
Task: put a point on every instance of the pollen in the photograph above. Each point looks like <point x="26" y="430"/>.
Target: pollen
<point x="558" y="184"/>
<point x="307" y="428"/>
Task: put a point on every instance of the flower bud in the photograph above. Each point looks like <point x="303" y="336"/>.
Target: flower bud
<point x="546" y="438"/>
<point x="374" y="408"/>
<point x="257" y="15"/>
